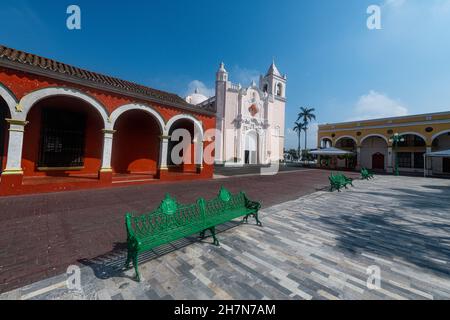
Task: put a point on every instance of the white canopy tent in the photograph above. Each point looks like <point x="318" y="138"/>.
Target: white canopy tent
<point x="330" y="152"/>
<point x="436" y="154"/>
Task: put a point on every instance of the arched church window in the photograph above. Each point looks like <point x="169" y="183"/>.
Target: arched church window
<point x="266" y="88"/>
<point x="279" y="89"/>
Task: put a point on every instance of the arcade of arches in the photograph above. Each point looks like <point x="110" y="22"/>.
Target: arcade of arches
<point x="372" y="145"/>
<point x="57" y="135"/>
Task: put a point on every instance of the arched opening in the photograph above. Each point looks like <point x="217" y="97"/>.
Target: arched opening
<point x="409" y="153"/>
<point x="182" y="159"/>
<point x="63" y="138"/>
<point x="374" y="153"/>
<point x="251" y="148"/>
<point x="4" y="114"/>
<point x="279" y="90"/>
<point x="347" y="161"/>
<point x="136" y="144"/>
<point x="440" y="143"/>
<point x="326" y="143"/>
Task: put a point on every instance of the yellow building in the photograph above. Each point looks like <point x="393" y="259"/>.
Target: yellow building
<point x="371" y="142"/>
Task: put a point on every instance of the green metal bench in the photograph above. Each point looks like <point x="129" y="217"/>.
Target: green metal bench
<point x="339" y="181"/>
<point x="366" y="174"/>
<point x="172" y="221"/>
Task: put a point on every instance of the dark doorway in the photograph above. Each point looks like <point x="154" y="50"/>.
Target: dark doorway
<point x="446" y="165"/>
<point x="247" y="157"/>
<point x="378" y="161"/>
<point x="62" y="139"/>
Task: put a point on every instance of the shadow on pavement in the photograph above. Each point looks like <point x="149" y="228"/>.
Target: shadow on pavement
<point x="417" y="236"/>
<point x="112" y="263"/>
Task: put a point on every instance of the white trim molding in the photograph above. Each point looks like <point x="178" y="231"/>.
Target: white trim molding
<point x="28" y="101"/>
<point x="374" y="135"/>
<point x="115" y="115"/>
<point x="197" y="139"/>
<point x="9" y="98"/>
<point x="336" y="140"/>
<point x="197" y="124"/>
<point x="437" y="135"/>
<point x="413" y="133"/>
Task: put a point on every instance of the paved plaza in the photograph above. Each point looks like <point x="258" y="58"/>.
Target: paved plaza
<point x="318" y="246"/>
<point x="40" y="235"/>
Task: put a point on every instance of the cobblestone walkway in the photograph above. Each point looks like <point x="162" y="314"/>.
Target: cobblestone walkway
<point x="316" y="247"/>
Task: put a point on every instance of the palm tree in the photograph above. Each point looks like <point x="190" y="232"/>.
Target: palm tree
<point x="306" y="115"/>
<point x="299" y="127"/>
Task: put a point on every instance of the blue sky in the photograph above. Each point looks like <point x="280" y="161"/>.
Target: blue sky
<point x="333" y="61"/>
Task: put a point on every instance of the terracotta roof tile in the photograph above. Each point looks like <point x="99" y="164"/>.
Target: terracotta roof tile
<point x="75" y="73"/>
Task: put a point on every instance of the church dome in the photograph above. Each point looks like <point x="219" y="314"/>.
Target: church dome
<point x="196" y="98"/>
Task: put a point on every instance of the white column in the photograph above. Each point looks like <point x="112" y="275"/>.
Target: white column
<point x="390" y="160"/>
<point x="265" y="145"/>
<point x="358" y="157"/>
<point x="428" y="163"/>
<point x="164" y="152"/>
<point x="218" y="142"/>
<point x="240" y="146"/>
<point x="107" y="150"/>
<point x="198" y="153"/>
<point x="15" y="146"/>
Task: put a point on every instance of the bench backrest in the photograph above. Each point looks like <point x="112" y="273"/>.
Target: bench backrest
<point x="225" y="201"/>
<point x="168" y="216"/>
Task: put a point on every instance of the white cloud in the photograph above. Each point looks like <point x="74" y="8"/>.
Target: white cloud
<point x="202" y="88"/>
<point x="244" y="76"/>
<point x="22" y="12"/>
<point x="394" y="3"/>
<point x="377" y="105"/>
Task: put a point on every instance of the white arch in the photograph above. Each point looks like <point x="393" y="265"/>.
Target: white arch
<point x="197" y="124"/>
<point x="437" y="135"/>
<point x="375" y="135"/>
<point x="27" y="102"/>
<point x="326" y="137"/>
<point x="346" y="137"/>
<point x="9" y="98"/>
<point x="128" y="107"/>
<point x="198" y="137"/>
<point x="414" y="134"/>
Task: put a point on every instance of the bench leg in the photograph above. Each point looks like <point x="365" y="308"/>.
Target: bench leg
<point x="258" y="222"/>
<point x="127" y="263"/>
<point x="213" y="233"/>
<point x="202" y="235"/>
<point x="136" y="267"/>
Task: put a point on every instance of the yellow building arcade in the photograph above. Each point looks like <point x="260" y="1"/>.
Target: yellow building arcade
<point x="373" y="145"/>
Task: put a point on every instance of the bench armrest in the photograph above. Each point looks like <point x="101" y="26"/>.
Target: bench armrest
<point x="252" y="205"/>
<point x="130" y="232"/>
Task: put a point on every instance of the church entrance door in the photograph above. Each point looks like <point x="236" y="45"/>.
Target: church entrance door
<point x="251" y="148"/>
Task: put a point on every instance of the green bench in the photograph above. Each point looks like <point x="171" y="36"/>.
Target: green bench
<point x="339" y="181"/>
<point x="366" y="174"/>
<point x="172" y="221"/>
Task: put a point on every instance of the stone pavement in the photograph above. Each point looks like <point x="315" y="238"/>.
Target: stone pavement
<point x="316" y="247"/>
<point x="41" y="235"/>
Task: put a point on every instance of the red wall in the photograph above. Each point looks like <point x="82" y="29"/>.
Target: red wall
<point x="4" y="134"/>
<point x="93" y="137"/>
<point x="136" y="143"/>
<point x="21" y="84"/>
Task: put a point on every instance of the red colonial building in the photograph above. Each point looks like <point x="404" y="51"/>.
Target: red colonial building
<point x="65" y="128"/>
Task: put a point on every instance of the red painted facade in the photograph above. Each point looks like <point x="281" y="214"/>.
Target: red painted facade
<point x="136" y="144"/>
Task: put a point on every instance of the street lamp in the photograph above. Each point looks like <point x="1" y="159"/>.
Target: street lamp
<point x="395" y="139"/>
